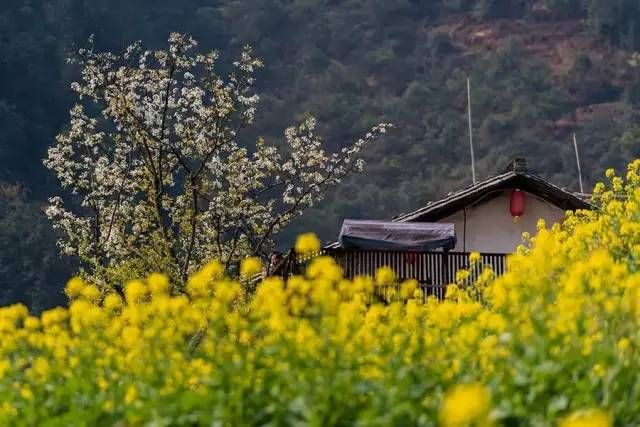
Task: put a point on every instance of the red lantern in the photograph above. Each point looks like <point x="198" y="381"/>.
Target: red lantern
<point x="516" y="204"/>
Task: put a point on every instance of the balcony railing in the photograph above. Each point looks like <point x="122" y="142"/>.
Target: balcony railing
<point x="433" y="270"/>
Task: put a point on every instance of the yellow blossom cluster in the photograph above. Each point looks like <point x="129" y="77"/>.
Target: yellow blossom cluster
<point x="307" y="244"/>
<point x="554" y="341"/>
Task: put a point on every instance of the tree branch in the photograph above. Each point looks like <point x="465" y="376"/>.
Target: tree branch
<point x="193" y="220"/>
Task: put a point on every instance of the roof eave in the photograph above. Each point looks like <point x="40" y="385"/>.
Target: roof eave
<point x="514" y="179"/>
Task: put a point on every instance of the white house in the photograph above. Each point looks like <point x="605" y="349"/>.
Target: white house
<point x="483" y="214"/>
<point x="433" y="242"/>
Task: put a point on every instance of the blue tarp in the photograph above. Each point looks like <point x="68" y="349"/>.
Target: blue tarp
<point x="396" y="236"/>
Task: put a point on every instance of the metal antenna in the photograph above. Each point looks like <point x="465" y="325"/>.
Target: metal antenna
<point x="575" y="146"/>
<point x="473" y="159"/>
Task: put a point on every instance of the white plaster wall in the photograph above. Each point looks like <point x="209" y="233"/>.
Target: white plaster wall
<point x="491" y="228"/>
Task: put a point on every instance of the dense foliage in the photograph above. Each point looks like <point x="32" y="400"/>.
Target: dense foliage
<point x="31" y="271"/>
<point x="553" y="341"/>
<point x="539" y="69"/>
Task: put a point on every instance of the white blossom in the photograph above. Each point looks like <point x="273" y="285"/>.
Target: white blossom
<point x="158" y="172"/>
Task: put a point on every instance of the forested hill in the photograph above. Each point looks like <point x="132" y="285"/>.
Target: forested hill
<point x="540" y="71"/>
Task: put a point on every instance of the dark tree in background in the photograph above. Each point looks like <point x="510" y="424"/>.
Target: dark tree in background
<point x="31" y="272"/>
<point x="352" y="63"/>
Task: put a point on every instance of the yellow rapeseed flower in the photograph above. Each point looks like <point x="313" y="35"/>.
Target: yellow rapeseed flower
<point x="385" y="276"/>
<point x="4" y="367"/>
<point x="462" y="275"/>
<point x="213" y="270"/>
<point x="465" y="405"/>
<point x="130" y="336"/>
<point x="244" y="337"/>
<point x="108" y="405"/>
<point x="135" y="290"/>
<point x="31" y="323"/>
<point x="362" y="284"/>
<point x="131" y="394"/>
<point x="324" y="267"/>
<point x="112" y="302"/>
<point x="598" y="370"/>
<point x="74" y="287"/>
<point x="54" y="316"/>
<point x="408" y="288"/>
<point x="40" y="367"/>
<point x="26" y="393"/>
<point x="158" y="283"/>
<point x="91" y="292"/>
<point x="103" y="384"/>
<point x="623" y="344"/>
<point x="307" y="243"/>
<point x="198" y="285"/>
<point x="250" y="267"/>
<point x="610" y="173"/>
<point x="7" y="408"/>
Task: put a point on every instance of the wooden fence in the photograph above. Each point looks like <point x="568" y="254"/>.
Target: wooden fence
<point x="431" y="267"/>
<point x="433" y="270"/>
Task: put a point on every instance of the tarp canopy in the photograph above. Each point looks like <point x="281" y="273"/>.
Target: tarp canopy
<point x="396" y="236"/>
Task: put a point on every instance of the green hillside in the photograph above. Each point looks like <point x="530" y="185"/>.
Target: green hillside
<point x="539" y="70"/>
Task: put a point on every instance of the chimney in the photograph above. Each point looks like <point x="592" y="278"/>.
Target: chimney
<point x="518" y="164"/>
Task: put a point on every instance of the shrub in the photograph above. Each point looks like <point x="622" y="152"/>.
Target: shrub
<point x="554" y="340"/>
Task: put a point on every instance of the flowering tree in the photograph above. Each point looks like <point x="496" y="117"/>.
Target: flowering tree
<point x="153" y="154"/>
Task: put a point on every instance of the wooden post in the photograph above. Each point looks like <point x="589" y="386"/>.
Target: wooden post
<point x="444" y="273"/>
<point x="473" y="158"/>
<point x="575" y="146"/>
